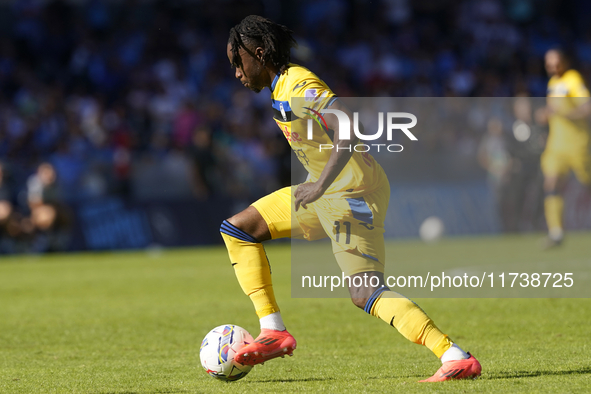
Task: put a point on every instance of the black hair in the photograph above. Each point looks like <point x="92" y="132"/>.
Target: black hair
<point x="275" y="39"/>
<point x="564" y="55"/>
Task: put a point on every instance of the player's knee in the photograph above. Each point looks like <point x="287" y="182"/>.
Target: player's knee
<point x="249" y="224"/>
<point x="359" y="302"/>
<point x="360" y="295"/>
<point x="237" y="221"/>
<point x="367" y="289"/>
<point x="364" y="297"/>
<point x="552" y="186"/>
<point x="234" y="233"/>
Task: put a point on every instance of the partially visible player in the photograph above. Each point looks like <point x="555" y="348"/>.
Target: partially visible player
<point x="567" y="149"/>
<point x="345" y="199"/>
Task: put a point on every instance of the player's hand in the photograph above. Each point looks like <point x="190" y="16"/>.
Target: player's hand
<point x="541" y="115"/>
<point x="307" y="193"/>
<point x="553" y="106"/>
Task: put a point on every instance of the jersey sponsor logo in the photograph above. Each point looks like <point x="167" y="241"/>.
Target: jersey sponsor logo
<point x="299" y="85"/>
<point x="291" y="137"/>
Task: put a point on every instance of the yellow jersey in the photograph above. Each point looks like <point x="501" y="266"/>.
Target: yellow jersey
<point x="565" y="93"/>
<point x="361" y="175"/>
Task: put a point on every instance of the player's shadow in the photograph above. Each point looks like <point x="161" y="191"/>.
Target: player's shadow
<point x="288" y="380"/>
<point x="533" y="374"/>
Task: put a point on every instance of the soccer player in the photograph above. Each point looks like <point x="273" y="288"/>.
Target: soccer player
<point x="567" y="148"/>
<point x="343" y="187"/>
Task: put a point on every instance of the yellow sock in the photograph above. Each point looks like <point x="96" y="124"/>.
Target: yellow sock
<point x="410" y="320"/>
<point x="553" y="208"/>
<point x="252" y="268"/>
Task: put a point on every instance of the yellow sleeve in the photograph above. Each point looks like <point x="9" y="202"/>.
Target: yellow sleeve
<point x="315" y="93"/>
<point x="576" y="85"/>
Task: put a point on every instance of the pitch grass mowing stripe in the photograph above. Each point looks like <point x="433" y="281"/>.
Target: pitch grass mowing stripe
<point x="133" y="322"/>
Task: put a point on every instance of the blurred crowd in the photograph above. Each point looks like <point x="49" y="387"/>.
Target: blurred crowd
<point x="94" y="92"/>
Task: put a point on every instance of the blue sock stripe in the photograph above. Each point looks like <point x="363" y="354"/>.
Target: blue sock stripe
<point x="238" y="235"/>
<point x="372" y="299"/>
<point x="369" y="304"/>
<point x="233" y="231"/>
<point x="230" y="227"/>
<point x="379" y="291"/>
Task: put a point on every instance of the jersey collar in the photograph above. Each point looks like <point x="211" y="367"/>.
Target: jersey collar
<point x="274" y="82"/>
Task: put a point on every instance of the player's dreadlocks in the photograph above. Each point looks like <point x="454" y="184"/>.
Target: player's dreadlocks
<point x="275" y="39"/>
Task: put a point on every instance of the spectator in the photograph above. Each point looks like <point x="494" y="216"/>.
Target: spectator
<point x="493" y="156"/>
<point x="95" y="87"/>
<point x="49" y="215"/>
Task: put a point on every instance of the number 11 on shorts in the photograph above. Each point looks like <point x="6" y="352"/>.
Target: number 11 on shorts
<point x="337" y="228"/>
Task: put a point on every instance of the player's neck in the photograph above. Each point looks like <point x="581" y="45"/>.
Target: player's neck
<point x="272" y="71"/>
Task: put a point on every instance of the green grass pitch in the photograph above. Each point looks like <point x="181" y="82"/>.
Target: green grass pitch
<point x="133" y="322"/>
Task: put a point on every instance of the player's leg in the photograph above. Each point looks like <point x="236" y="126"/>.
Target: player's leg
<point x="581" y="166"/>
<point x="243" y="234"/>
<point x="554" y="206"/>
<point x="268" y="218"/>
<point x="376" y="299"/>
<point x="356" y="228"/>
<point x="396" y="310"/>
<point x="554" y="168"/>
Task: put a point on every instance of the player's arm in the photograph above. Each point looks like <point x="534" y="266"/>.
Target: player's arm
<point x="341" y="153"/>
<point x="582" y="111"/>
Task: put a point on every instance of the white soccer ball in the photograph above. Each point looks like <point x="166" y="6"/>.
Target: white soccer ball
<point x="432" y="229"/>
<point x="218" y="349"/>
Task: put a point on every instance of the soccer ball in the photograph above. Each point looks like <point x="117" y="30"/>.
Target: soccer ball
<point x="432" y="229"/>
<point x="218" y="350"/>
